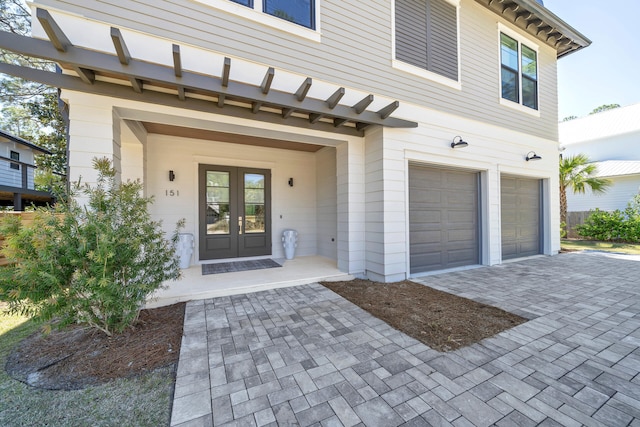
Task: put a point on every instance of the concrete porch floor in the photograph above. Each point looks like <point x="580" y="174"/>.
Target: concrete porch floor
<point x="297" y="271"/>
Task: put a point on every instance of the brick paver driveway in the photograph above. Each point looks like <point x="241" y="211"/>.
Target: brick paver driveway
<point x="305" y="356"/>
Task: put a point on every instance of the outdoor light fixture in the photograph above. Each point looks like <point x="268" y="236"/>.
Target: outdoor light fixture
<point x="459" y="143"/>
<point x="172" y="176"/>
<point x="531" y="155"/>
<point x="290" y="182"/>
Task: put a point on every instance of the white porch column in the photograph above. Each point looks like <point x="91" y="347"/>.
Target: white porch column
<point x="385" y="182"/>
<point x="350" y="206"/>
<point x="94" y="131"/>
<point x="491" y="207"/>
<point x="134" y="147"/>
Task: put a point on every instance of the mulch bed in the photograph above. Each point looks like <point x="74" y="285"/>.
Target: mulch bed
<point x="440" y="320"/>
<point x="76" y="357"/>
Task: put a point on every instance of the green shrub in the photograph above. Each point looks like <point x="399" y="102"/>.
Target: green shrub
<point x="616" y="226"/>
<point x="93" y="264"/>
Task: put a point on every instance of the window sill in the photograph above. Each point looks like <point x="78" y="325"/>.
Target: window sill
<point x="265" y="19"/>
<point x="519" y="107"/>
<point x="429" y="75"/>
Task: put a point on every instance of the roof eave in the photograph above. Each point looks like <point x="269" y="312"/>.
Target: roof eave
<point x="21" y="141"/>
<point x="558" y="23"/>
<point x="539" y="22"/>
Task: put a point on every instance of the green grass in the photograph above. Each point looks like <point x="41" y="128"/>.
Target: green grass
<point x="141" y="401"/>
<point x="626" y="248"/>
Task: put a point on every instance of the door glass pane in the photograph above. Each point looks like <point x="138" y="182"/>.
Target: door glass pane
<point x="254" y="218"/>
<point x="217" y="214"/>
<point x="220" y="195"/>
<point x="253" y="180"/>
<point x="217" y="179"/>
<point x="298" y="11"/>
<point x="254" y="203"/>
<point x="217" y="218"/>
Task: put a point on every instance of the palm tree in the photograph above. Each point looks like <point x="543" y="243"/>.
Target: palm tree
<point x="578" y="173"/>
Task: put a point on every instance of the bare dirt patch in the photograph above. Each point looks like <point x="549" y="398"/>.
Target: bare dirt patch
<point x="76" y="357"/>
<point x="440" y="320"/>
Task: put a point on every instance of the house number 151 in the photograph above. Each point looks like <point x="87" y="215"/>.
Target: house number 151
<point x="172" y="193"/>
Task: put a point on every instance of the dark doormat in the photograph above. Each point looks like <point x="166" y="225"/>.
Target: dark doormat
<point x="229" y="267"/>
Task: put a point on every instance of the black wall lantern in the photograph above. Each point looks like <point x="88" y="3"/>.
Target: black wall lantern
<point x="290" y="182"/>
<point x="172" y="176"/>
<point x="531" y="155"/>
<point x="459" y="143"/>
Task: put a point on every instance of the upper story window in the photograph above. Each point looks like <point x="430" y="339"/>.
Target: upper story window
<point x="14" y="155"/>
<point x="426" y="36"/>
<point x="301" y="12"/>
<point x="518" y="72"/>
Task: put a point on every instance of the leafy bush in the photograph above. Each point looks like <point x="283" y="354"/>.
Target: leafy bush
<point x="92" y="264"/>
<point x="616" y="226"/>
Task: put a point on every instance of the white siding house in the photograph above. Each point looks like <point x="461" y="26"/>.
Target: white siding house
<point x="397" y="137"/>
<point x="611" y="139"/>
<point x="17" y="172"/>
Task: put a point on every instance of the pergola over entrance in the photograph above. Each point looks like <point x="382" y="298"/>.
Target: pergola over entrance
<point x="123" y="76"/>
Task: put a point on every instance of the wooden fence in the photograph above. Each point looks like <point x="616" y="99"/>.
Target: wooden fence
<point x="575" y="219"/>
<point x="27" y="217"/>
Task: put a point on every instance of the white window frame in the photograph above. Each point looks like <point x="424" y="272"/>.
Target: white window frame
<point x="531" y="45"/>
<point x="256" y="14"/>
<point x="421" y="72"/>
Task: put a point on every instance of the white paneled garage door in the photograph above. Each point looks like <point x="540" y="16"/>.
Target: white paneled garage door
<point x="443" y="218"/>
<point x="521" y="208"/>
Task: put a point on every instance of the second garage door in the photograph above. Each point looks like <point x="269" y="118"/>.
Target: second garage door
<point x="443" y="218"/>
<point x="520" y="200"/>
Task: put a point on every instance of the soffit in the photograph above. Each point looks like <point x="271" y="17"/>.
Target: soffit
<point x="233" y="138"/>
<point x="540" y="22"/>
<point x="123" y="76"/>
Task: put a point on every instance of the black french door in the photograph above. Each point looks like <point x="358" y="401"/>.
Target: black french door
<point x="235" y="212"/>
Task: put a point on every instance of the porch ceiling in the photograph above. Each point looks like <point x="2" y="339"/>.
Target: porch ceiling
<point x="210" y="135"/>
<point x="540" y="22"/>
<point x="123" y="76"/>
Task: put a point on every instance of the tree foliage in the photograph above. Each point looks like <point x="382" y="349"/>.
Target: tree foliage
<point x="28" y="109"/>
<point x="569" y="118"/>
<point x="578" y="174"/>
<point x="604" y="107"/>
<point x="616" y="226"/>
<point x="92" y="264"/>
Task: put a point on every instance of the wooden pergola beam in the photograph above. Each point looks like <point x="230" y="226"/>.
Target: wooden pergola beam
<point x="226" y="70"/>
<point x="363" y="104"/>
<point x="56" y="36"/>
<point x="61" y="42"/>
<point x="266" y="82"/>
<point x="177" y="60"/>
<point x="65" y="81"/>
<point x="302" y="91"/>
<point x="164" y="75"/>
<point x="386" y="111"/>
<point x="333" y="100"/>
<point x="124" y="56"/>
<point x="121" y="48"/>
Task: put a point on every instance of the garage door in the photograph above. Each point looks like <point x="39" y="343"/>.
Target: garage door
<point x="443" y="218"/>
<point x="521" y="225"/>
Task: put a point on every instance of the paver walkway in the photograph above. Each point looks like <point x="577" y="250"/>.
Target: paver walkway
<point x="305" y="356"/>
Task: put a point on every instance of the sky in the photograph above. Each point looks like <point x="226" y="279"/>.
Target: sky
<point x="608" y="71"/>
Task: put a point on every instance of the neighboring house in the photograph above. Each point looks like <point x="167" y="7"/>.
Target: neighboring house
<point x="335" y="118"/>
<point x="17" y="157"/>
<point x="611" y="140"/>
